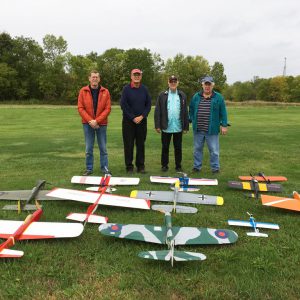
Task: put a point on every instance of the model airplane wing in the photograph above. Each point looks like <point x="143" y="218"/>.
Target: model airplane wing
<point x="98" y="180"/>
<point x="249" y="186"/>
<point x="41" y="230"/>
<point x="257" y="224"/>
<point x="106" y="199"/>
<point x="265" y="178"/>
<point x="24" y="194"/>
<point x="8" y="253"/>
<point x="281" y="202"/>
<point x="189" y="181"/>
<point x="145" y="233"/>
<point x="182" y="197"/>
<point x="166" y="255"/>
<point x="203" y="236"/>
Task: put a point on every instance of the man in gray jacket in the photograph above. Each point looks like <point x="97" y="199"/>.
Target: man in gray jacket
<point x="171" y="119"/>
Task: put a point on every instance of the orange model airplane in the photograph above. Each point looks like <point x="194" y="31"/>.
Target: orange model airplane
<point x="282" y="202"/>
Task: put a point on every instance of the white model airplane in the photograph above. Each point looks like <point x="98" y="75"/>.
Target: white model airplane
<point x="30" y="229"/>
<point x="254" y="225"/>
<point x="184" y="180"/>
<point x="105" y="180"/>
<point x="96" y="199"/>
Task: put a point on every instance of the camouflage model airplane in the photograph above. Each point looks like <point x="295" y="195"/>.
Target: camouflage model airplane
<point x="177" y="197"/>
<point x="255" y="225"/>
<point x="171" y="236"/>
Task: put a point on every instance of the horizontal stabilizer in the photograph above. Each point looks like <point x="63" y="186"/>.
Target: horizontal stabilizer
<point x="263" y="178"/>
<point x="98" y="189"/>
<point x="166" y="255"/>
<point x="257" y="234"/>
<point x="82" y="217"/>
<point x="178" y="209"/>
<point x="28" y="207"/>
<point x="8" y="253"/>
<point x="189" y="181"/>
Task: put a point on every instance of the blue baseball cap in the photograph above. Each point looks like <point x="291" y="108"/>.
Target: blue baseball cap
<point x="207" y="79"/>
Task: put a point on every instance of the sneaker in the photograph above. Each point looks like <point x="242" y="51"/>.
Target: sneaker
<point x="164" y="169"/>
<point x="129" y="171"/>
<point x="215" y="171"/>
<point x="195" y="170"/>
<point x="106" y="172"/>
<point x="178" y="169"/>
<point x="142" y="171"/>
<point x="87" y="172"/>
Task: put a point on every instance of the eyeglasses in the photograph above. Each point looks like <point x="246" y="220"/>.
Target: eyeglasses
<point x="136" y="74"/>
<point x="173" y="81"/>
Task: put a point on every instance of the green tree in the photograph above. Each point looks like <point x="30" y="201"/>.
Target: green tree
<point x="189" y="69"/>
<point x="7" y="81"/>
<point x="217" y="72"/>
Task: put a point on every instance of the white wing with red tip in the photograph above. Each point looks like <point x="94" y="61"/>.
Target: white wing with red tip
<point x="7" y="253"/>
<point x="41" y="230"/>
<point x="95" y="180"/>
<point x="106" y="199"/>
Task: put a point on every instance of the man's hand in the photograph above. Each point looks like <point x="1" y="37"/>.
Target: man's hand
<point x="93" y="124"/>
<point x="158" y="130"/>
<point x="138" y="119"/>
<point x="223" y="130"/>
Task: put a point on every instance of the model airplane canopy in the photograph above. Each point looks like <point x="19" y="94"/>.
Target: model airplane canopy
<point x="184" y="180"/>
<point x="94" y="180"/>
<point x="282" y="202"/>
<point x="31" y="229"/>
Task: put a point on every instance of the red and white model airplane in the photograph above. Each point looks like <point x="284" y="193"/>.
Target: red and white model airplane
<point x="30" y="229"/>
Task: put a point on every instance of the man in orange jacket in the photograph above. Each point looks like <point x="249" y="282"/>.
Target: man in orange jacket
<point x="94" y="107"/>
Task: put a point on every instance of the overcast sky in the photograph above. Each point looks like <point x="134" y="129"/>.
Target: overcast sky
<point x="250" y="37"/>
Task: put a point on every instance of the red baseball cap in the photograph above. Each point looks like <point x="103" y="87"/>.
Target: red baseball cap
<point x="136" y="71"/>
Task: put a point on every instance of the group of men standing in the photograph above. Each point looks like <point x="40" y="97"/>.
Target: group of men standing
<point x="207" y="113"/>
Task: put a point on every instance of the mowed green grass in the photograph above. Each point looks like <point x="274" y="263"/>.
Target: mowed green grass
<point x="47" y="143"/>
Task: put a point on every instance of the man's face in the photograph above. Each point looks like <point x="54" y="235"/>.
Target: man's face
<point x="94" y="79"/>
<point x="173" y="84"/>
<point x="136" y="77"/>
<point x="207" y="87"/>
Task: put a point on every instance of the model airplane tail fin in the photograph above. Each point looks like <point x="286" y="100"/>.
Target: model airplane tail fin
<point x="166" y="255"/>
<point x="177" y="209"/>
<point x="296" y="195"/>
<point x="82" y="217"/>
<point x="8" y="253"/>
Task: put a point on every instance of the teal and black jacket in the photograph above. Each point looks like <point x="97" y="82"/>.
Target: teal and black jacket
<point x="218" y="113"/>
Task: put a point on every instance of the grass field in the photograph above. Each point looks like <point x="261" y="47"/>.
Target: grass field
<point x="47" y="143"/>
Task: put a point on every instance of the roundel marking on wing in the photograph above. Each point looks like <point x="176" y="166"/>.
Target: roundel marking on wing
<point x="221" y="234"/>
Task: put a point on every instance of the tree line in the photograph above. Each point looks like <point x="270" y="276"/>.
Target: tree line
<point x="51" y="74"/>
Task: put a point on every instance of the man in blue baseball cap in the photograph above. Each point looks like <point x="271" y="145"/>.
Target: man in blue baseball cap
<point x="207" y="112"/>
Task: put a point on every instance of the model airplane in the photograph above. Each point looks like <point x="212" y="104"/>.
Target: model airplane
<point x="255" y="186"/>
<point x="255" y="225"/>
<point x="170" y="236"/>
<point x="96" y="199"/>
<point x="105" y="180"/>
<point x="262" y="177"/>
<point x="29" y="196"/>
<point x="30" y="229"/>
<point x="184" y="180"/>
<point x="178" y="197"/>
<point x="282" y="202"/>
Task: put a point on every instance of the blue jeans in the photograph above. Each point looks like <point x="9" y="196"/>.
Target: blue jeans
<point x="213" y="147"/>
<point x="89" y="136"/>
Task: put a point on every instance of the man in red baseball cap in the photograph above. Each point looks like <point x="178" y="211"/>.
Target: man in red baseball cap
<point x="136" y="105"/>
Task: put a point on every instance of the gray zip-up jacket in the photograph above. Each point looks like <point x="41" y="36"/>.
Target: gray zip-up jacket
<point x="161" y="111"/>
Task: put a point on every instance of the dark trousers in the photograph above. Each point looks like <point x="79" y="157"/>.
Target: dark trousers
<point x="134" y="133"/>
<point x="177" y="142"/>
